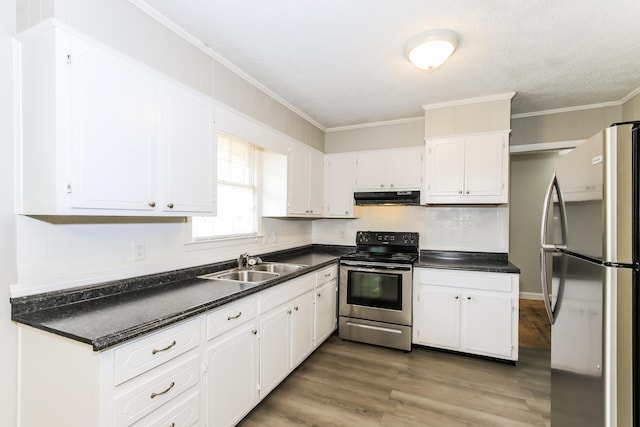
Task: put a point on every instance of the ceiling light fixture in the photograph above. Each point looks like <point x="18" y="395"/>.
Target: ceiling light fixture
<point x="431" y="49"/>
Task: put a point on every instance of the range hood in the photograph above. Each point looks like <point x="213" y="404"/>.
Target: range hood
<point x="405" y="198"/>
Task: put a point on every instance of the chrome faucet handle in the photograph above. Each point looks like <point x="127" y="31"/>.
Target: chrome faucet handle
<point x="243" y="260"/>
<point x="253" y="260"/>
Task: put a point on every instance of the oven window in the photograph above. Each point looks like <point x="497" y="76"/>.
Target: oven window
<point x="375" y="289"/>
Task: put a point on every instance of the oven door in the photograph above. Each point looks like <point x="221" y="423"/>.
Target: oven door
<point x="376" y="291"/>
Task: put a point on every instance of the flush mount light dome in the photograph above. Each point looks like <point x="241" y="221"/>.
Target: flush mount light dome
<point x="431" y="49"/>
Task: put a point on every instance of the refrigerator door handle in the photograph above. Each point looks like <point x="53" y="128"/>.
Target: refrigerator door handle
<point x="546" y="248"/>
<point x="545" y="286"/>
<point x="545" y="217"/>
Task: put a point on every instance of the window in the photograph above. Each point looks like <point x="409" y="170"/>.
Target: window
<point x="237" y="193"/>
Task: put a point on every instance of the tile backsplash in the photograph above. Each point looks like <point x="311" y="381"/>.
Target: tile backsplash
<point x="455" y="228"/>
<point x="60" y="252"/>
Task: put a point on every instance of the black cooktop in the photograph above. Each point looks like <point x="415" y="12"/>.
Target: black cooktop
<point x="385" y="246"/>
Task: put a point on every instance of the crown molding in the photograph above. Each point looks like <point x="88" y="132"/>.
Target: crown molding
<point x="375" y="124"/>
<point x="497" y="97"/>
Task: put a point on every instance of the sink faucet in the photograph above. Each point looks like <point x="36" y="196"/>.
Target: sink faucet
<point x="243" y="260"/>
<point x="246" y="261"/>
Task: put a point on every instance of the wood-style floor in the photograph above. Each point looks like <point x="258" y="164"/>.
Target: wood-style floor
<point x="351" y="384"/>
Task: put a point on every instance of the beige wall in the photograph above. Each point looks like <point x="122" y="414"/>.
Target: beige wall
<point x="566" y="126"/>
<point x="125" y="27"/>
<point x="530" y="175"/>
<point x="8" y="348"/>
<point x="631" y="109"/>
<point x="390" y="135"/>
<point x="468" y="118"/>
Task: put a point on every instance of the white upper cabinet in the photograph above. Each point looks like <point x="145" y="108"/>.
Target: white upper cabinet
<point x="388" y="170"/>
<point x="305" y="181"/>
<point x="469" y="169"/>
<point x="190" y="153"/>
<point x="338" y="194"/>
<point x="101" y="135"/>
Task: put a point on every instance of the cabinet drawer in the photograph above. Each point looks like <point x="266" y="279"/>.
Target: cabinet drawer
<point x="183" y="411"/>
<point x="501" y="282"/>
<point x="154" y="391"/>
<point x="326" y="275"/>
<point x="230" y="316"/>
<point x="138" y="357"/>
<point x="284" y="292"/>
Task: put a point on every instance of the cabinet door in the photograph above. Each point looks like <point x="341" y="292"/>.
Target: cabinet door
<point x="370" y="171"/>
<point x="232" y="375"/>
<point x="190" y="153"/>
<point x="275" y="347"/>
<point x="488" y="323"/>
<point x="484" y="166"/>
<point x="445" y="168"/>
<point x="325" y="311"/>
<point x="404" y="169"/>
<point x="338" y="194"/>
<point x="113" y="131"/>
<point x="298" y="180"/>
<point x="316" y="183"/>
<point x="438" y="316"/>
<point x="303" y="327"/>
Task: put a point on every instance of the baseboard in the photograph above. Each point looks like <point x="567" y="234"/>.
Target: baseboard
<point x="531" y="295"/>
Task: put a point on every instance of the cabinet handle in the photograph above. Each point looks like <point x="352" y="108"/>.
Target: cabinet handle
<point x="381" y="185"/>
<point x="155" y="350"/>
<point x="289" y="312"/>
<point x="152" y="204"/>
<point x="468" y="298"/>
<point x="391" y="186"/>
<point x="319" y="295"/>
<point x="467" y="192"/>
<point x="170" y="205"/>
<point x="163" y="392"/>
<point x="295" y="308"/>
<point x="346" y="212"/>
<point x="327" y="275"/>
<point x="254" y="332"/>
<point x="457" y="297"/>
<point x="235" y="317"/>
<point x="459" y="191"/>
<point x="172" y="425"/>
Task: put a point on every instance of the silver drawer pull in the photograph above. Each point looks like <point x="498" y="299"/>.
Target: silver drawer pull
<point x="235" y="317"/>
<point x="155" y="350"/>
<point x="327" y="275"/>
<point x="172" y="425"/>
<point x="165" y="391"/>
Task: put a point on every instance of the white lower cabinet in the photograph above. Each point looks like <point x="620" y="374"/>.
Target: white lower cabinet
<point x="209" y="370"/>
<point x="232" y="375"/>
<point x="467" y="311"/>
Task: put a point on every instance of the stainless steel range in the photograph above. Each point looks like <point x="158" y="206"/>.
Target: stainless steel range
<point x="375" y="289"/>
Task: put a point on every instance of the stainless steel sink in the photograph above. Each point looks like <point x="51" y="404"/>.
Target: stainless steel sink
<point x="256" y="274"/>
<point x="277" y="267"/>
<point x="247" y="276"/>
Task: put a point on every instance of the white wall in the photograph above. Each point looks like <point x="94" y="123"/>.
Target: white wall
<point x="8" y="348"/>
<point x="469" y="228"/>
<point x="401" y="133"/>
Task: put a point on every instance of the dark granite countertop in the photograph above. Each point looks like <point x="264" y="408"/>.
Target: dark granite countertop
<point x="472" y="261"/>
<point x="109" y="314"/>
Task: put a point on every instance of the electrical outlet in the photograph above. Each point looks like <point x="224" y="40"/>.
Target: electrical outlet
<point x="139" y="250"/>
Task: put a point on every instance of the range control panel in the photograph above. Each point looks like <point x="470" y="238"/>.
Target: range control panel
<point x="387" y="238"/>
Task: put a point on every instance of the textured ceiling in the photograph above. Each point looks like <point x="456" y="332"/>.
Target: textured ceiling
<point x="341" y="62"/>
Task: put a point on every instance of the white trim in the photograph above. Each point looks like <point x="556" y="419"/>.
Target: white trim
<point x="544" y="146"/>
<point x="567" y="109"/>
<point x="149" y="10"/>
<point x="630" y="95"/>
<point x="579" y="107"/>
<point x="375" y="124"/>
<point x="531" y="296"/>
<point x="497" y="97"/>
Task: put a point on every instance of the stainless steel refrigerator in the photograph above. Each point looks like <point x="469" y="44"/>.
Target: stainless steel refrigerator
<point x="589" y="263"/>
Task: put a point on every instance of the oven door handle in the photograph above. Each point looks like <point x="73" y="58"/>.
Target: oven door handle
<point x="372" y="266"/>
